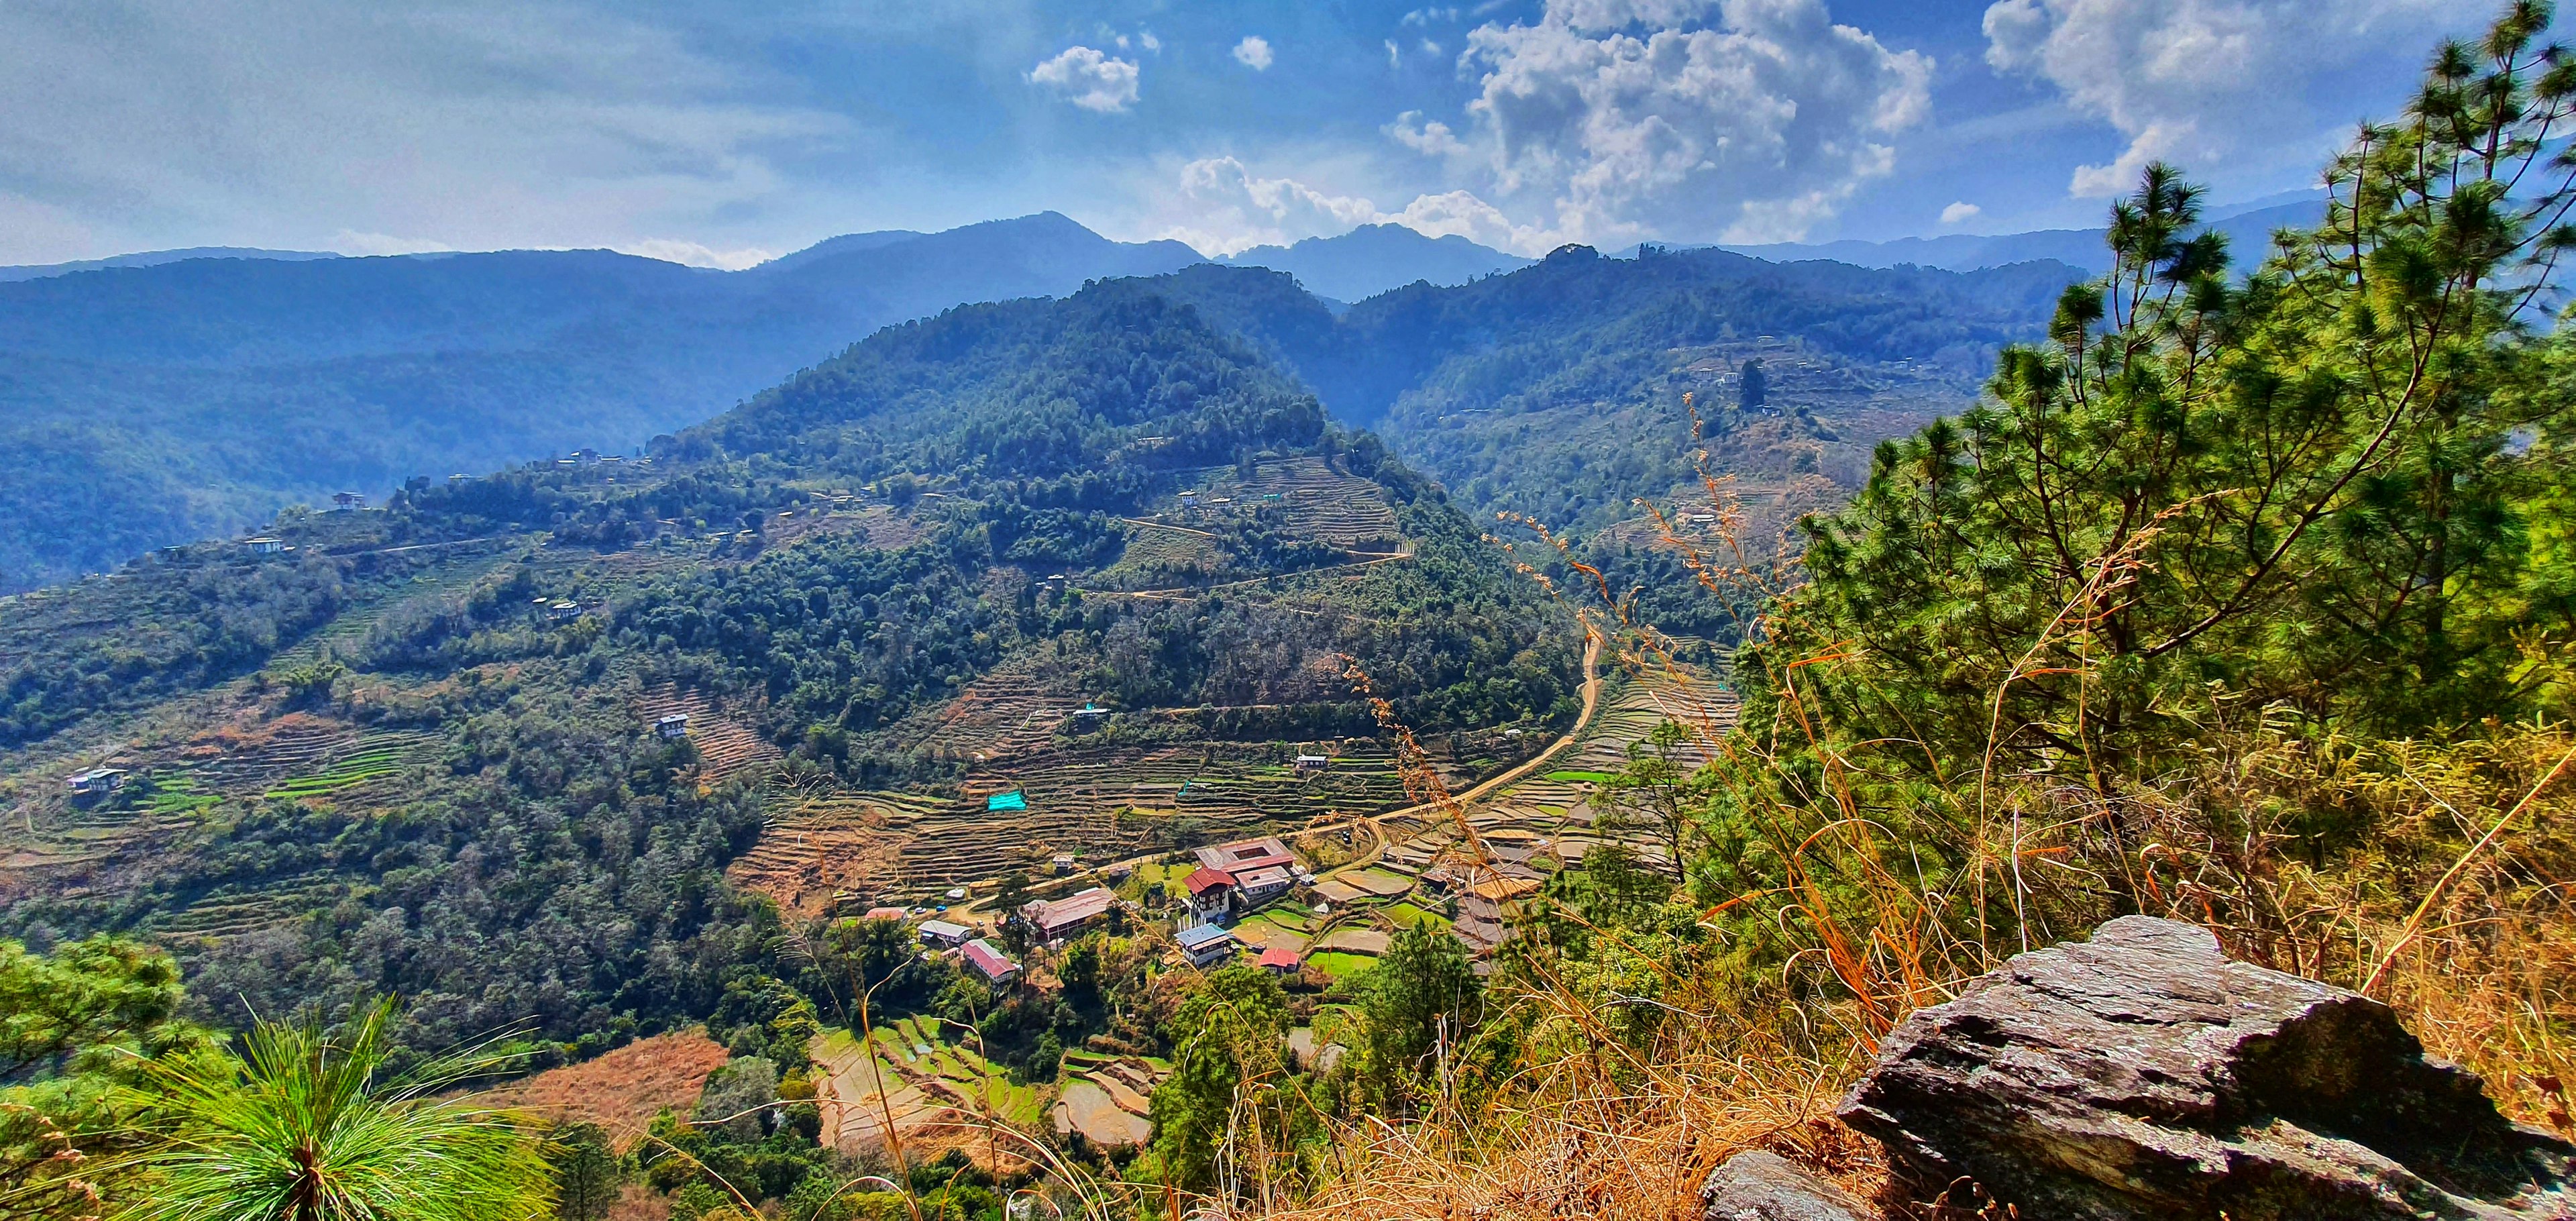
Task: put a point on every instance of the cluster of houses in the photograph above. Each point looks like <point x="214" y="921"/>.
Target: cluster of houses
<point x="1231" y="880"/>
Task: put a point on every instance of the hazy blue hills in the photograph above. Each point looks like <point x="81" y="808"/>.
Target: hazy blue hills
<point x="2248" y="229"/>
<point x="148" y="405"/>
<point x="1374" y="258"/>
<point x="142" y="406"/>
<point x="155" y="258"/>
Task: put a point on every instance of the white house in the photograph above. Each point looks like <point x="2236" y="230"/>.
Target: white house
<point x="1207" y="945"/>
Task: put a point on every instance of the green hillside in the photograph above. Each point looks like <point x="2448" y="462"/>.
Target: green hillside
<point x="416" y="751"/>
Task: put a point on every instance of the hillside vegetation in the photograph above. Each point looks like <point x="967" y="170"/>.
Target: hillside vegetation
<point x="2241" y="594"/>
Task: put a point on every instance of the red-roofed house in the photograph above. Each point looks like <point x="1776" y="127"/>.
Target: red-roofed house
<point x="1281" y="960"/>
<point x="989" y="960"/>
<point x="1211" y="895"/>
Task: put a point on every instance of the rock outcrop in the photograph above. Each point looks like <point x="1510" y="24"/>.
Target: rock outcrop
<point x="1758" y="1186"/>
<point x="2146" y="1075"/>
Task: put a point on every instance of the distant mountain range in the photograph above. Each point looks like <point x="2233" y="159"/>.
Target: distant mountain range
<point x="148" y="404"/>
<point x="155" y="258"/>
<point x="2248" y="228"/>
<point x="155" y="398"/>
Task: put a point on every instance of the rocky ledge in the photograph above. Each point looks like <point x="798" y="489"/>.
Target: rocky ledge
<point x="2143" y="1074"/>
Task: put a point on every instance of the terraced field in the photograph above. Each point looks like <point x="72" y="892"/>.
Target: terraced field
<point x="1320" y="502"/>
<point x="725" y="745"/>
<point x="1099" y="803"/>
<point x="372" y="758"/>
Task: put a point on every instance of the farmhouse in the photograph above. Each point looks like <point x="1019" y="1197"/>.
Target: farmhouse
<point x="990" y="962"/>
<point x="1263" y="884"/>
<point x="1055" y="918"/>
<point x="96" y="782"/>
<point x="263" y="545"/>
<point x="1241" y="855"/>
<point x="1308" y="765"/>
<point x="1206" y="945"/>
<point x="1280" y="960"/>
<point x="560" y="612"/>
<point x="673" y="727"/>
<point x="944" y="934"/>
<point x="1211" y="895"/>
<point x="347" y="501"/>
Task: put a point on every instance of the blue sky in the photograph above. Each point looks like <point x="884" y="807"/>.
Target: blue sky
<point x="723" y="133"/>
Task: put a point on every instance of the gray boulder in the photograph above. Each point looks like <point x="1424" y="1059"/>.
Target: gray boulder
<point x="1758" y="1186"/>
<point x="2144" y="1074"/>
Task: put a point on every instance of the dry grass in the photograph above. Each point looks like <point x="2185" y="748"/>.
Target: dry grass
<point x="622" y="1089"/>
<point x="2459" y="909"/>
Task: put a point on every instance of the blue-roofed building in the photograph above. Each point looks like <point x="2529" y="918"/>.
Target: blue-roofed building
<point x="1206" y="945"/>
<point x="1012" y="800"/>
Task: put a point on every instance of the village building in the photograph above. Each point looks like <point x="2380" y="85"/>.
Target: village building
<point x="1280" y="960"/>
<point x="1264" y="884"/>
<point x="1057" y="917"/>
<point x="989" y="961"/>
<point x="887" y="913"/>
<point x="1308" y="765"/>
<point x="1210" y="898"/>
<point x="1060" y="864"/>
<point x="945" y="935"/>
<point x="263" y="545"/>
<point x="673" y="727"/>
<point x="561" y="612"/>
<point x="96" y="782"/>
<point x="1206" y="945"/>
<point x="347" y="501"/>
<point x="1241" y="855"/>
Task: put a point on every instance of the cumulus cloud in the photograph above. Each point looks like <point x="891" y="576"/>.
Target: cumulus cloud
<point x="1223" y="207"/>
<point x="1431" y="138"/>
<point x="2212" y="84"/>
<point x="1752" y="118"/>
<point x="1089" y="78"/>
<point x="1253" y="52"/>
<point x="1960" y="211"/>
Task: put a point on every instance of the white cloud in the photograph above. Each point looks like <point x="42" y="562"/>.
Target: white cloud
<point x="1960" y="211"/>
<point x="1224" y="208"/>
<point x="1432" y="138"/>
<point x="310" y="122"/>
<point x="1425" y="16"/>
<point x="1088" y="78"/>
<point x="1227" y="208"/>
<point x="1253" y="52"/>
<point x="1394" y="55"/>
<point x="693" y="254"/>
<point x="1430" y="48"/>
<point x="352" y="242"/>
<point x="1150" y="42"/>
<point x="2216" y="85"/>
<point x="1642" y="117"/>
